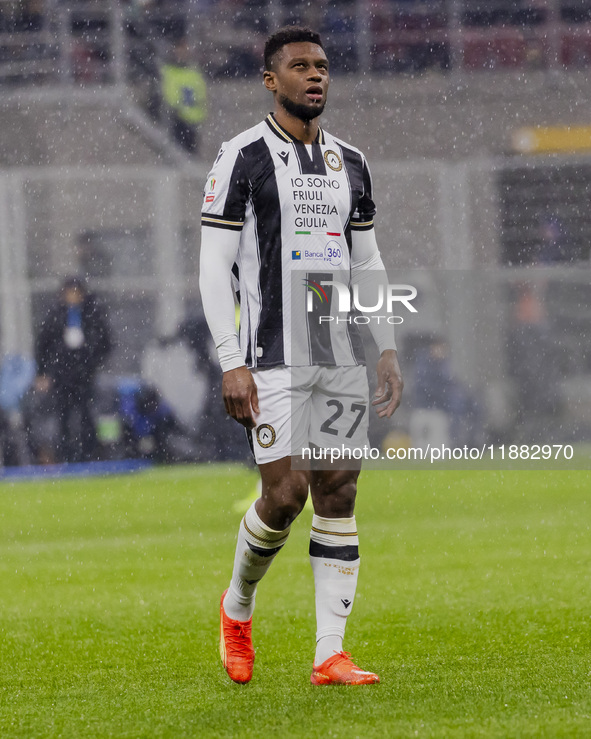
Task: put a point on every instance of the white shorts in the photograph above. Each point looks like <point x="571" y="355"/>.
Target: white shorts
<point x="299" y="406"/>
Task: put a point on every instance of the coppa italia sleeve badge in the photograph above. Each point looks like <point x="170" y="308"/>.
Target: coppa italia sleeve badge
<point x="266" y="435"/>
<point x="210" y="195"/>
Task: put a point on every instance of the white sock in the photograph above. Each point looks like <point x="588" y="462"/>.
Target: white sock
<point x="334" y="556"/>
<point x="256" y="548"/>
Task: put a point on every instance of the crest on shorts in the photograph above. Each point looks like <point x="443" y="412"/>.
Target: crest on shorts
<point x="333" y="160"/>
<point x="266" y="435"/>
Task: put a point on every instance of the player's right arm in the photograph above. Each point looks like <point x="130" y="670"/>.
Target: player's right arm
<point x="222" y="220"/>
<point x="218" y="254"/>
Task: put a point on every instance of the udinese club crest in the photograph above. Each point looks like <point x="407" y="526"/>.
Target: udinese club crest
<point x="266" y="435"/>
<point x="333" y="160"/>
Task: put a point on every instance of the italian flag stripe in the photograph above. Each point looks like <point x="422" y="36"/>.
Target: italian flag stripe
<point x="309" y="233"/>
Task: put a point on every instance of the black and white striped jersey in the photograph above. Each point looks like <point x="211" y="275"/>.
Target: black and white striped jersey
<point x="297" y="208"/>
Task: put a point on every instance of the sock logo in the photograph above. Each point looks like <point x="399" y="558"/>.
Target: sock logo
<point x="345" y="602"/>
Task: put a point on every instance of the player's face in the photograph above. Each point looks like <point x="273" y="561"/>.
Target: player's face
<point x="72" y="296"/>
<point x="300" y="79"/>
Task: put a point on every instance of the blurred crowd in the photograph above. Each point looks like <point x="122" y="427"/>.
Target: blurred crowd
<point x="226" y="36"/>
<point x="65" y="406"/>
<point x="168" y="49"/>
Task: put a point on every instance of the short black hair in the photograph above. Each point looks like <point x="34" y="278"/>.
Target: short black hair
<point x="288" y="35"/>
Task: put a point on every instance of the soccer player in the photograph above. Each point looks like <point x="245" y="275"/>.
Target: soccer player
<point x="286" y="199"/>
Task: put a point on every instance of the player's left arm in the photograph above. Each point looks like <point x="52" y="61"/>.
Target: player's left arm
<point x="368" y="273"/>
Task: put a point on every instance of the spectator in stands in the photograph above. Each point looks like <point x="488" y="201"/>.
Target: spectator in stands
<point x="436" y="387"/>
<point x="218" y="437"/>
<point x="3" y="434"/>
<point x="534" y="364"/>
<point x="149" y="426"/>
<point x="16" y="377"/>
<point x="184" y="94"/>
<point x="24" y="15"/>
<point x="73" y="341"/>
<point x="552" y="244"/>
<point x="41" y="423"/>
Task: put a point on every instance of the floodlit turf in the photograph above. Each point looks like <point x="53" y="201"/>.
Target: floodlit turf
<point x="473" y="606"/>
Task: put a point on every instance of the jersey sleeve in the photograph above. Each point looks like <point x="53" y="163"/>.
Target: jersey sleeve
<point x="218" y="254"/>
<point x="369" y="275"/>
<point x="362" y="218"/>
<point x="227" y="191"/>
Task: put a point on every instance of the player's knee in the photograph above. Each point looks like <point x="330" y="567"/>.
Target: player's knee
<point x="286" y="500"/>
<point x="343" y="499"/>
<point x="291" y="505"/>
<point x="285" y="514"/>
<point x="336" y="498"/>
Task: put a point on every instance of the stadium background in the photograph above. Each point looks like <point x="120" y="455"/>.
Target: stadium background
<point x="473" y="605"/>
<point x="443" y="96"/>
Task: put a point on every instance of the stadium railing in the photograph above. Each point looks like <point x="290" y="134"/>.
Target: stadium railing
<point x="109" y="42"/>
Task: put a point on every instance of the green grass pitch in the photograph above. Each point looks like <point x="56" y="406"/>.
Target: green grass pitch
<point x="473" y="606"/>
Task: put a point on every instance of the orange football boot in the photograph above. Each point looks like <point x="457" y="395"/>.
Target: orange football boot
<point x="339" y="670"/>
<point x="236" y="648"/>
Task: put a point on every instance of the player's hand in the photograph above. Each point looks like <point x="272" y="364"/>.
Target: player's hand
<point x="389" y="391"/>
<point x="239" y="392"/>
